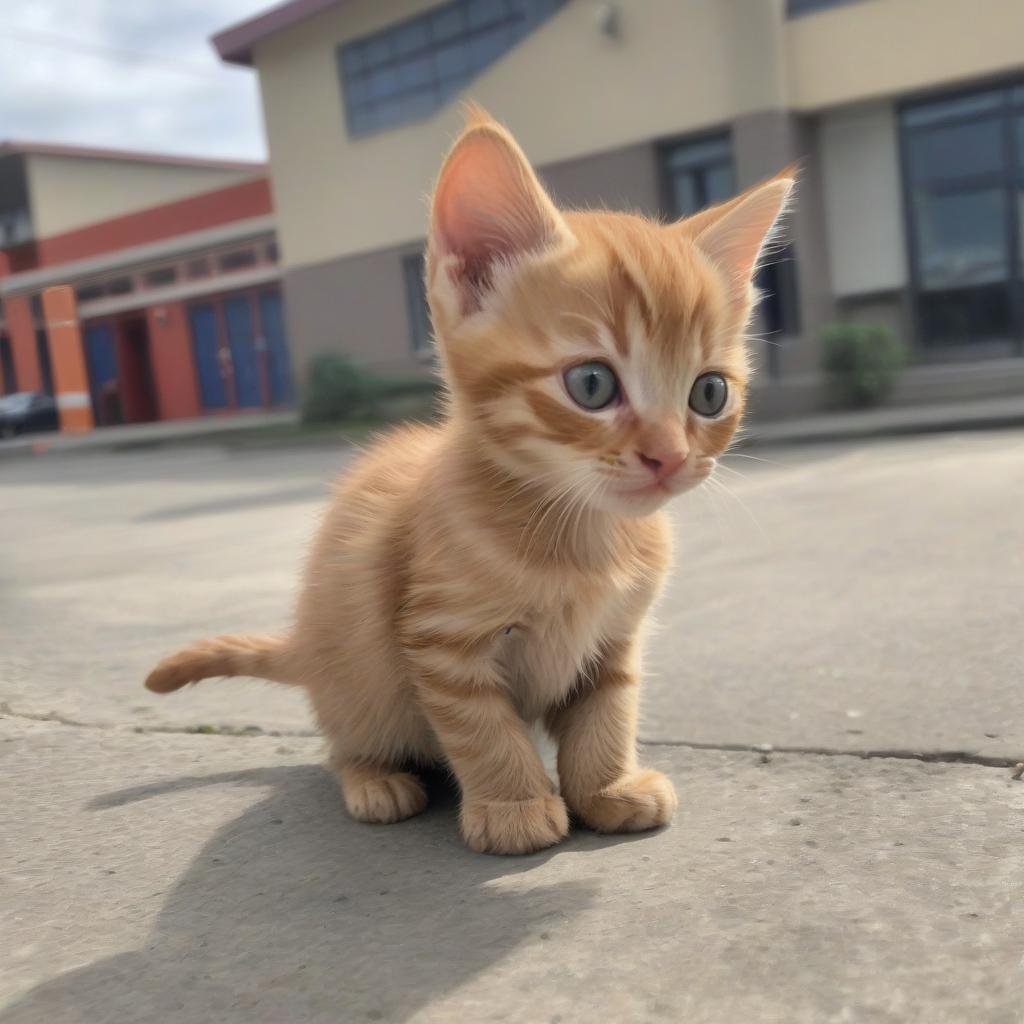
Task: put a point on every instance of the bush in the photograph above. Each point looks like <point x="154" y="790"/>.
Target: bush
<point x="862" y="362"/>
<point x="336" y="389"/>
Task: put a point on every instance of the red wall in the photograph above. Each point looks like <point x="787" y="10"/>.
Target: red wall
<point x="174" y="370"/>
<point x="22" y="332"/>
<point x="196" y="213"/>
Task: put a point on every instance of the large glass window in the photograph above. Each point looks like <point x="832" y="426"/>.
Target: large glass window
<point x="962" y="159"/>
<point x="700" y="174"/>
<point x="416" y="299"/>
<point x="411" y="69"/>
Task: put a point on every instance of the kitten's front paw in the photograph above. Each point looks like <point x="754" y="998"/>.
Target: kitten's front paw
<point x="521" y="826"/>
<point x="633" y="804"/>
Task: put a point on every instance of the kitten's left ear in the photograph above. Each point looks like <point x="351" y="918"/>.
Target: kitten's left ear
<point x="734" y="235"/>
<point x="488" y="208"/>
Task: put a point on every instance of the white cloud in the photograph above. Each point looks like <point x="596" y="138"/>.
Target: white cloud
<point x="164" y="89"/>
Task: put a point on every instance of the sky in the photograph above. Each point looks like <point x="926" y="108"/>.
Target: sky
<point x="128" y="74"/>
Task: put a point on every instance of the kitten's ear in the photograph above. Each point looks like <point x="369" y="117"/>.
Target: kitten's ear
<point x="488" y="208"/>
<point x="733" y="235"/>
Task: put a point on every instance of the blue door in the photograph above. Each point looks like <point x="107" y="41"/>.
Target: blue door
<point x="203" y="320"/>
<point x="244" y="357"/>
<point x="101" y="362"/>
<point x="278" y="368"/>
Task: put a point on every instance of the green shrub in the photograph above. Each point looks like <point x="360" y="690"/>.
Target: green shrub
<point x="336" y="389"/>
<point x="862" y="362"/>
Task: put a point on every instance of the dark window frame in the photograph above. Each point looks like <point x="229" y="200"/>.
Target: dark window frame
<point x="670" y="146"/>
<point x="421" y="331"/>
<point x="779" y="309"/>
<point x="1009" y="180"/>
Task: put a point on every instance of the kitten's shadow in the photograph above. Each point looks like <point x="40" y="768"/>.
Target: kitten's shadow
<point x="293" y="912"/>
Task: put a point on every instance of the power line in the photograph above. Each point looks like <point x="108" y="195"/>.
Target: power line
<point x="103" y="50"/>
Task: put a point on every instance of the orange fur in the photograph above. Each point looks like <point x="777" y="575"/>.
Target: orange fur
<point x="494" y="570"/>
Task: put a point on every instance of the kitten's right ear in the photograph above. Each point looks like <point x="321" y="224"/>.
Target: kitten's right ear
<point x="488" y="209"/>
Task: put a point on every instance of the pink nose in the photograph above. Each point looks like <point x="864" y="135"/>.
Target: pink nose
<point x="662" y="463"/>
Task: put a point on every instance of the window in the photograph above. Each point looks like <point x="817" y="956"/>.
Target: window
<point x="794" y="8"/>
<point x="88" y="292"/>
<point x="43" y="355"/>
<point x="161" y="276"/>
<point x="10" y="380"/>
<point x="411" y="69"/>
<point x="197" y="268"/>
<point x="416" y="300"/>
<point x="238" y="259"/>
<point x="700" y="174"/>
<point x="270" y="251"/>
<point x="963" y="163"/>
<point x="119" y="286"/>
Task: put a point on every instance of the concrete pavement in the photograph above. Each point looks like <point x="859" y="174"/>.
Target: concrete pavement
<point x="845" y="598"/>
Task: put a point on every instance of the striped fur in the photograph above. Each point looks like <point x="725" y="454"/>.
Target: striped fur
<point x="496" y="570"/>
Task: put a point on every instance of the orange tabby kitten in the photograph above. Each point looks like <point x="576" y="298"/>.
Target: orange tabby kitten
<point x="474" y="577"/>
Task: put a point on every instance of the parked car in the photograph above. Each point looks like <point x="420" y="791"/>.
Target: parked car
<point x="27" y="411"/>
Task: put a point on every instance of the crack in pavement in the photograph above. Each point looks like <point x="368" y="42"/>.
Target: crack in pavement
<point x="764" y="749"/>
<point x="6" y="711"/>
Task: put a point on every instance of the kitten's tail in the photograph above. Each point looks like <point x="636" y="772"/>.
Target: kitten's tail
<point x="264" y="657"/>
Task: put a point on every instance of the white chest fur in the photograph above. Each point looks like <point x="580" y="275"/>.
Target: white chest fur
<point x="545" y="652"/>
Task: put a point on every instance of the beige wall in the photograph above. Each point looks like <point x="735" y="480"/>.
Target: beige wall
<point x="863" y="199"/>
<point x="69" y="192"/>
<point x="567" y="90"/>
<point x="877" y="48"/>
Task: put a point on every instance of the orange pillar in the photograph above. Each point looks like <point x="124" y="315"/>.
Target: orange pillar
<point x="22" y="331"/>
<point x="174" y="368"/>
<point x="70" y="377"/>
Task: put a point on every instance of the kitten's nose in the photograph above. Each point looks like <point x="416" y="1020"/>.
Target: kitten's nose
<point x="662" y="463"/>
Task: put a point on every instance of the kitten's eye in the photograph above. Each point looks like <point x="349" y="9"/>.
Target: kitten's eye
<point x="592" y="385"/>
<point x="708" y="395"/>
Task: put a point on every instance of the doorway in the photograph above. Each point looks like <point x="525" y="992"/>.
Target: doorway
<point x="241" y="352"/>
<point x="120" y="370"/>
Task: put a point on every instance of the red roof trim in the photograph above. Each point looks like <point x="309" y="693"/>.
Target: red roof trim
<point x="242" y="201"/>
<point x="234" y="44"/>
<point x="11" y="146"/>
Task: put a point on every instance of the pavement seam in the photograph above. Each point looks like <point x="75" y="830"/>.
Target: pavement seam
<point x="764" y="749"/>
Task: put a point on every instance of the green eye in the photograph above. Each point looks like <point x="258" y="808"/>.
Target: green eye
<point x="708" y="395"/>
<point x="591" y="385"/>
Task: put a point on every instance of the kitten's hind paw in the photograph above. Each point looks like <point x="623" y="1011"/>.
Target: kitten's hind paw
<point x="515" y="826"/>
<point x="633" y="804"/>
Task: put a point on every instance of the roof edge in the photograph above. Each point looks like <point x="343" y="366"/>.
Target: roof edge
<point x="234" y="44"/>
<point x="19" y="146"/>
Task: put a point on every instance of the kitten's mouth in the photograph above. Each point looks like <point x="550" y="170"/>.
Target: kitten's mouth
<point x="647" y="491"/>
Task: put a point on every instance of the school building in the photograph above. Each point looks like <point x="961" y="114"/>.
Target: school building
<point x="137" y="286"/>
<point x="907" y="117"/>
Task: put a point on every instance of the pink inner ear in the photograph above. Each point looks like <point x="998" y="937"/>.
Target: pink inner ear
<point x="488" y="207"/>
<point x="736" y="239"/>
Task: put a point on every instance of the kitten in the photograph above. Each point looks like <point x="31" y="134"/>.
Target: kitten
<point x="477" y="576"/>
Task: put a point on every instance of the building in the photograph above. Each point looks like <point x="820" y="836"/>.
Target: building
<point x="166" y="277"/>
<point x="907" y="116"/>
